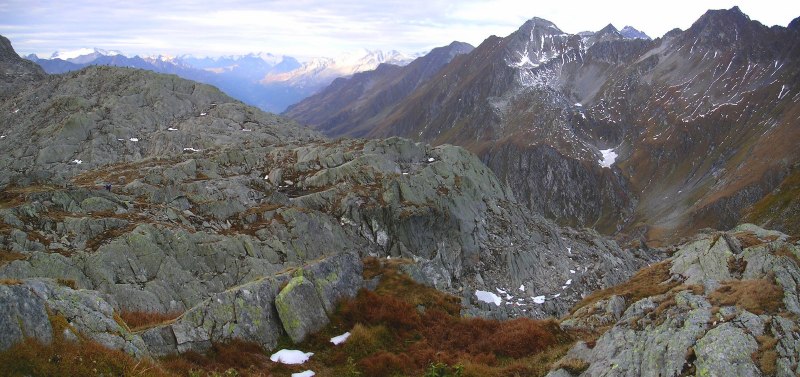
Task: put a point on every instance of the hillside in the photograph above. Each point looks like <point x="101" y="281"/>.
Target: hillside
<point x="701" y="121"/>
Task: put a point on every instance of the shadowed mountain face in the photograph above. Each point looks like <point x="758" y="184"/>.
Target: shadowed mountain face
<point x="700" y="123"/>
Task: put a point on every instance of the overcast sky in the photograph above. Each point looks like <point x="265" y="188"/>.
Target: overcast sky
<point x="307" y="28"/>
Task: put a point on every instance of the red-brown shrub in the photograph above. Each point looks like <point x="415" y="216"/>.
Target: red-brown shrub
<point x="385" y="364"/>
<point x="371" y="308"/>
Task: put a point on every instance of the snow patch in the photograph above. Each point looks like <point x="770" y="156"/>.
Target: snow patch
<point x="431" y="159"/>
<point x="2" y="136"/>
<point x="285" y="356"/>
<point x="578" y="104"/>
<point x="572" y="271"/>
<point x="337" y="340"/>
<point x="172" y="129"/>
<point x="190" y="150"/>
<point x="538" y="300"/>
<point x="77" y="162"/>
<point x="488" y="297"/>
<point x="609" y="157"/>
<point x="133" y="139"/>
<point x="307" y="373"/>
<point x="569" y="281"/>
<point x="522" y="287"/>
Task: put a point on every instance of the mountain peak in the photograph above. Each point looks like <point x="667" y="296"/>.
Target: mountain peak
<point x="609" y="29"/>
<point x="537" y="23"/>
<point x="795" y="24"/>
<point x="629" y="32"/>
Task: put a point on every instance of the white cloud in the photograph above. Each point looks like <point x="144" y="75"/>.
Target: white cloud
<point x="305" y="28"/>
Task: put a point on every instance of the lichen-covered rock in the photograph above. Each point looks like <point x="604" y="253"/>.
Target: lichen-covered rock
<point x="708" y="325"/>
<point x="260" y="311"/>
<point x="22" y="315"/>
<point x="339" y="276"/>
<point x="300" y="309"/>
<point x="639" y="345"/>
<point x="30" y="304"/>
<point x="245" y="313"/>
<point x="725" y="351"/>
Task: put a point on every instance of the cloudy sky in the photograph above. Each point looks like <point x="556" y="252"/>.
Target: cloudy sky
<point x="308" y="28"/>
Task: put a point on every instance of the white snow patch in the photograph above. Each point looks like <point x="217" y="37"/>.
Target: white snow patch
<point x="246" y="130"/>
<point x="538" y="300"/>
<point x="16" y="111"/>
<point x="488" y="297"/>
<point x="431" y="159"/>
<point x="337" y="340"/>
<point x="556" y="295"/>
<point x="569" y="281"/>
<point x="133" y="139"/>
<point x="285" y="356"/>
<point x="2" y="136"/>
<point x="572" y="271"/>
<point x="120" y="139"/>
<point x="578" y="104"/>
<point x="307" y="373"/>
<point x="522" y="287"/>
<point x="172" y="129"/>
<point x="609" y="157"/>
<point x="190" y="150"/>
<point x="405" y="173"/>
<point x="202" y="114"/>
<point x="77" y="162"/>
<point x="569" y="250"/>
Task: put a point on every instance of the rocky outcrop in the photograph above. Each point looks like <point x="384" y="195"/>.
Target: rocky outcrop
<point x="181" y="230"/>
<point x="262" y="310"/>
<point x="33" y="305"/>
<point x="733" y="311"/>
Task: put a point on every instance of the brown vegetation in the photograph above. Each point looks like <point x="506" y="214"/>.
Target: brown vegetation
<point x="137" y="320"/>
<point x="758" y="296"/>
<point x="7" y="257"/>
<point x="766" y="356"/>
<point x="649" y="281"/>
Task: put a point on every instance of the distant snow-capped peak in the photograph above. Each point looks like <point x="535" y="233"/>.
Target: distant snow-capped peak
<point x="72" y="54"/>
<point x="321" y="71"/>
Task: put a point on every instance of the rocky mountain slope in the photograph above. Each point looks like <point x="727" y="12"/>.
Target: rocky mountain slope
<point x="350" y="104"/>
<point x="208" y="197"/>
<point x="700" y="122"/>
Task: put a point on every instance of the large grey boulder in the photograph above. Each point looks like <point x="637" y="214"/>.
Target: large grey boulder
<point x="300" y="309"/>
<point x="725" y="351"/>
<point x="246" y="313"/>
<point x="22" y="315"/>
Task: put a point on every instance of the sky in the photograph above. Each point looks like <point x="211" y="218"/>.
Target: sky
<point x="312" y="28"/>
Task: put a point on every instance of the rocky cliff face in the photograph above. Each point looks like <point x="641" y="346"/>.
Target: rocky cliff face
<point x="700" y="121"/>
<point x="16" y="71"/>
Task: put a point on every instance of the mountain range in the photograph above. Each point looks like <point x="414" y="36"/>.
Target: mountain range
<point x="268" y="81"/>
<point x="654" y="138"/>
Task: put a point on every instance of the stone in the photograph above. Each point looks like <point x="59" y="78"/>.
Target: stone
<point x="22" y="315"/>
<point x="300" y="309"/>
<point x="725" y="351"/>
